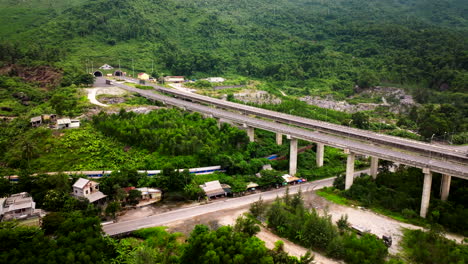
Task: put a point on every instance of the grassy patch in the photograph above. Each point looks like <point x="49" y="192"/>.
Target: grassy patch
<point x="331" y="195"/>
<point x="30" y="222"/>
<point x="399" y="217"/>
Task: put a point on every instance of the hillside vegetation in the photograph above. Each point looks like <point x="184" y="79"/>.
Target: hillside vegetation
<point x="326" y="45"/>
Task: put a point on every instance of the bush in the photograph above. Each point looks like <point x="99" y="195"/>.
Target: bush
<point x="432" y="248"/>
<point x="461" y="138"/>
<point x="408" y="213"/>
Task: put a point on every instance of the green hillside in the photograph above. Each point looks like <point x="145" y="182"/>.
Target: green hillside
<point x="324" y="45"/>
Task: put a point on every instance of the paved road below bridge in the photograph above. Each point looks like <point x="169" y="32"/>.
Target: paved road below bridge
<point x="185" y="213"/>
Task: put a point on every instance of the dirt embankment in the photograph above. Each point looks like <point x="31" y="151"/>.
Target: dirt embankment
<point x="45" y="76"/>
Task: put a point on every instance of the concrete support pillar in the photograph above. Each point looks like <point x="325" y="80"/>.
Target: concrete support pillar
<point x="426" y="195"/>
<point x="445" y="187"/>
<point x="293" y="157"/>
<point x="319" y="154"/>
<point x="251" y="133"/>
<point x="349" y="169"/>
<point x="218" y="122"/>
<point x="279" y="139"/>
<point x="374" y="166"/>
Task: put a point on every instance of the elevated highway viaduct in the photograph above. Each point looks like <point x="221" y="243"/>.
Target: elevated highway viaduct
<point x="351" y="147"/>
<point x="326" y="127"/>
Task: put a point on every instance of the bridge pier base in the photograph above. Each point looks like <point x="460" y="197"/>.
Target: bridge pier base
<point x="279" y="139"/>
<point x="426" y="195"/>
<point x="374" y="166"/>
<point x="293" y="157"/>
<point x="251" y="133"/>
<point x="319" y="154"/>
<point x="349" y="169"/>
<point x="445" y="187"/>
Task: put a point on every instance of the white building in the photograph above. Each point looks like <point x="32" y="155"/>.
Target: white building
<point x="67" y="123"/>
<point x="174" y="79"/>
<point x="106" y="67"/>
<point x="87" y="189"/>
<point x="18" y="206"/>
<point x="215" y="79"/>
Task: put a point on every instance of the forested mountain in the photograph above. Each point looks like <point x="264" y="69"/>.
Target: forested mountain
<point x="318" y="44"/>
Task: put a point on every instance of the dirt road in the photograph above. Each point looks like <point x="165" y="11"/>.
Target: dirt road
<point x="93" y="92"/>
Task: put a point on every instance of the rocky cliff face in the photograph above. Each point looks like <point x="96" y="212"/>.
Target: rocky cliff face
<point x="46" y="76"/>
<point x="395" y="99"/>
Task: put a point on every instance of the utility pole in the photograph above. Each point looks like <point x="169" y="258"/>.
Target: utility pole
<point x="152" y="68"/>
<point x="133" y="67"/>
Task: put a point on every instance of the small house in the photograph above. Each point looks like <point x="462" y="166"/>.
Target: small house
<point x="106" y="67"/>
<point x="213" y="189"/>
<point x="174" y="79"/>
<point x="36" y="121"/>
<point x="84" y="188"/>
<point x="67" y="123"/>
<point x="150" y="194"/>
<point x="18" y="206"/>
<point x="143" y="76"/>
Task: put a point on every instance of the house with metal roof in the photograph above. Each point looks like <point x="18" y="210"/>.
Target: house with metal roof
<point x="36" y="121"/>
<point x="213" y="189"/>
<point x="67" y="123"/>
<point x="84" y="188"/>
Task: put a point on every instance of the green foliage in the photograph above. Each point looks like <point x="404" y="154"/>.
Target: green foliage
<point x="144" y="87"/>
<point x="112" y="208"/>
<point x="334" y="47"/>
<point x="290" y="219"/>
<point x="398" y="194"/>
<point x="247" y="225"/>
<point x="441" y="121"/>
<point x="65" y="102"/>
<point x="279" y="256"/>
<point x="342" y="223"/>
<point x="360" y="120"/>
<point x="16" y="96"/>
<point x="367" y="249"/>
<point x="258" y="208"/>
<point x="200" y="84"/>
<point x="134" y="196"/>
<point x="429" y="247"/>
<point x="185" y="134"/>
<point x="224" y="246"/>
<point x="75" y="238"/>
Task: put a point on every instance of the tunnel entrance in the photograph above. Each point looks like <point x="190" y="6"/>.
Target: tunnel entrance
<point x="98" y="74"/>
<point x="118" y="73"/>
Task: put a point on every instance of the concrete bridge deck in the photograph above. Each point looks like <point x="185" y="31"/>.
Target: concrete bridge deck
<point x="403" y="156"/>
<point x="326" y="127"/>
